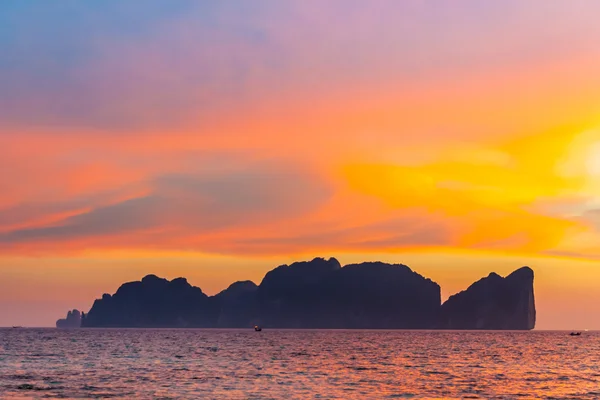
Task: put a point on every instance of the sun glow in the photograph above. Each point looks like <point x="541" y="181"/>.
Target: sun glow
<point x="593" y="161"/>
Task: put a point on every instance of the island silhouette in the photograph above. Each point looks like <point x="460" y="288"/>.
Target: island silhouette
<point x="320" y="294"/>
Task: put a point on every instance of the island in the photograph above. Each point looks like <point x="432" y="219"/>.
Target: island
<point x="321" y="294"/>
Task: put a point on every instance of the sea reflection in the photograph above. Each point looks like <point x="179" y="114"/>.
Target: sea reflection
<point x="132" y="363"/>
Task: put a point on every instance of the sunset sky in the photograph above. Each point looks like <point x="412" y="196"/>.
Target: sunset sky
<point x="218" y="139"/>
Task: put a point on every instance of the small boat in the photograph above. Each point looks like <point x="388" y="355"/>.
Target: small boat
<point x="257" y="328"/>
<point x="16" y="327"/>
<point x="575" y="333"/>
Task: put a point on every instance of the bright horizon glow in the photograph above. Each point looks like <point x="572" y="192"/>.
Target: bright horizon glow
<point x="216" y="141"/>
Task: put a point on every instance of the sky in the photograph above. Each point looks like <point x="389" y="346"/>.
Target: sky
<point x="216" y="140"/>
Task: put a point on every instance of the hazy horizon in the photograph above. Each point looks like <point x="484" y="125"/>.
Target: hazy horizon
<point x="216" y="140"/>
<point x="450" y="285"/>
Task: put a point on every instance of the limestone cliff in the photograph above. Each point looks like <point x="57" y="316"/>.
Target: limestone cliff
<point x="322" y="294"/>
<point x="493" y="303"/>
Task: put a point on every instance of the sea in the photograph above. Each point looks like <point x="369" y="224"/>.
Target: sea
<point x="297" y="364"/>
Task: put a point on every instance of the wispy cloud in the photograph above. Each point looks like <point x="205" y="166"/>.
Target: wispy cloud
<point x="190" y="203"/>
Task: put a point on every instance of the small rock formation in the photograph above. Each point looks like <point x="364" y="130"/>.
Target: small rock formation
<point x="322" y="294"/>
<point x="493" y="303"/>
<point x="73" y="320"/>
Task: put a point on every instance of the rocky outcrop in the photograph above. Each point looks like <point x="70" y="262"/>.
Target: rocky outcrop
<point x="238" y="306"/>
<point x="493" y="303"/>
<point x="323" y="294"/>
<point x="153" y="302"/>
<point x="73" y="320"/>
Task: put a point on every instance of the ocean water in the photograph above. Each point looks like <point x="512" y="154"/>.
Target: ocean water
<point x="241" y="364"/>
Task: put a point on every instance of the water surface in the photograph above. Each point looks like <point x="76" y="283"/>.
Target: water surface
<point x="147" y="363"/>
